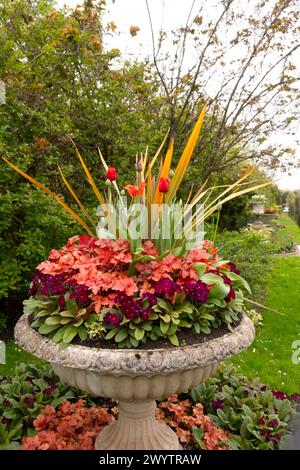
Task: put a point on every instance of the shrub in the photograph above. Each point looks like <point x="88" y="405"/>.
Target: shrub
<point x="249" y="250"/>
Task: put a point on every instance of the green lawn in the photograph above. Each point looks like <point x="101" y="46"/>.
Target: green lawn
<point x="15" y="355"/>
<point x="270" y="356"/>
<point x="290" y="229"/>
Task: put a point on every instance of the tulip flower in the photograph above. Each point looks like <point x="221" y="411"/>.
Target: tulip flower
<point x="111" y="173"/>
<point x="163" y="185"/>
<point x="135" y="190"/>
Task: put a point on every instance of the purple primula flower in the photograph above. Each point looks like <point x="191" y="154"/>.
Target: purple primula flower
<point x="151" y="298"/>
<point x="233" y="268"/>
<point x="265" y="433"/>
<point x="48" y="391"/>
<point x="129" y="306"/>
<point x="7" y="403"/>
<point x="28" y="401"/>
<point x="113" y="319"/>
<point x="196" y="291"/>
<point x="166" y="287"/>
<point x="273" y="423"/>
<point x="261" y="421"/>
<point x="218" y="404"/>
<point x="245" y="393"/>
<point x="295" y="397"/>
<point x="279" y="395"/>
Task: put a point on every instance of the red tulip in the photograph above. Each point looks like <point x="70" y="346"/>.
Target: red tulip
<point x="111" y="173"/>
<point x="164" y="185"/>
<point x="135" y="190"/>
<point x="132" y="190"/>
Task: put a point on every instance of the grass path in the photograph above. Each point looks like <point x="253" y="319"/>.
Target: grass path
<point x="270" y="356"/>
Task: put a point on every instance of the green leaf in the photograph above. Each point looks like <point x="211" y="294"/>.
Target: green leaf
<point x="65" y="321"/>
<point x="59" y="334"/>
<point x="121" y="335"/>
<point x="55" y="320"/>
<point x="198" y="435"/>
<point x="174" y="340"/>
<point x="46" y="329"/>
<point x="42" y="313"/>
<point x="172" y="329"/>
<point x="82" y="333"/>
<point x="133" y="342"/>
<point x="69" y="334"/>
<point x="139" y="334"/>
<point x="219" y="291"/>
<point x="211" y="278"/>
<point x="147" y="326"/>
<point x="166" y="318"/>
<point x="187" y="307"/>
<point x="72" y="306"/>
<point x="66" y="313"/>
<point x="200" y="268"/>
<point x="153" y="336"/>
<point x="239" y="279"/>
<point x="206" y="330"/>
<point x="164" y="327"/>
<point x="185" y="324"/>
<point x="163" y="304"/>
<point x="112" y="333"/>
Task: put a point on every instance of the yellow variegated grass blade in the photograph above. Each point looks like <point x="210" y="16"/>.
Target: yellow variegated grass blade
<point x="52" y="194"/>
<point x="264" y="307"/>
<point x="198" y="194"/>
<point x="158" y="198"/>
<point x="88" y="174"/>
<point x="211" y="210"/>
<point x="149" y="197"/>
<point x="159" y="150"/>
<point x="72" y="192"/>
<point x="232" y="186"/>
<point x="185" y="158"/>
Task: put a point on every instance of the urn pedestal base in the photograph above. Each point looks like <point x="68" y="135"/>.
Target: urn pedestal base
<point x="137" y="429"/>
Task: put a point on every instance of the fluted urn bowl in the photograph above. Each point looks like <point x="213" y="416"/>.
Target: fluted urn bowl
<point x="136" y="378"/>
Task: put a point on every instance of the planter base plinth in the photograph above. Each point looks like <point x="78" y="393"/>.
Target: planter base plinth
<point x="137" y="429"/>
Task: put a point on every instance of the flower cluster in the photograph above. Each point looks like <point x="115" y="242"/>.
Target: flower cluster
<point x="144" y="297"/>
<point x="75" y="426"/>
<point x="184" y="418"/>
<point x="72" y="427"/>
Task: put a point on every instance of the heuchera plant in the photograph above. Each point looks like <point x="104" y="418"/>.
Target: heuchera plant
<point x="75" y="426"/>
<point x="146" y="285"/>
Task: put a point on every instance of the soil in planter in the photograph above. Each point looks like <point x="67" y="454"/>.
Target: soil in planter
<point x="186" y="337"/>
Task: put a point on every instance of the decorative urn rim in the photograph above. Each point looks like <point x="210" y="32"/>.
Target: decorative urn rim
<point x="136" y="361"/>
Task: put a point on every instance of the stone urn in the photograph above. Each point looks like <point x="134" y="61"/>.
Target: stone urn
<point x="258" y="207"/>
<point x="136" y="378"/>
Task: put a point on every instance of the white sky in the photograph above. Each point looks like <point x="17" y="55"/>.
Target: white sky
<point x="172" y="14"/>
